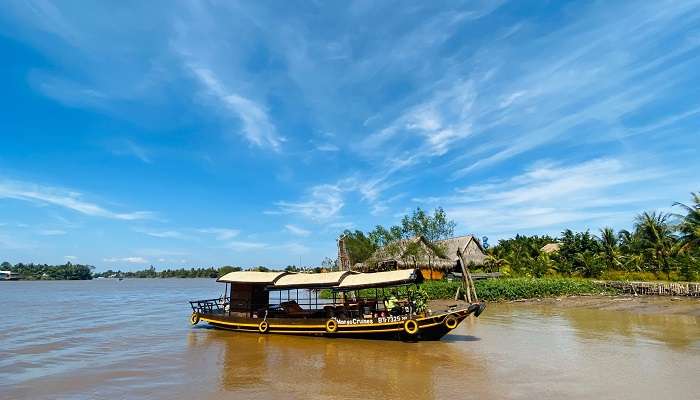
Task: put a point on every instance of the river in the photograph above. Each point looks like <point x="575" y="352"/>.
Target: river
<point x="131" y="339"/>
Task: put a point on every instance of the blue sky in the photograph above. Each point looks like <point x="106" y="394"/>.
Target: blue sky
<point x="210" y="133"/>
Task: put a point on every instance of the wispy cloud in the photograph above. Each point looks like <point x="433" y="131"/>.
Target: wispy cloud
<point x="327" y="147"/>
<point x="295" y="230"/>
<point x="257" y="127"/>
<point x="220" y="233"/>
<point x="441" y="121"/>
<point x="127" y="147"/>
<point x="51" y="232"/>
<point x="47" y="195"/>
<point x="323" y="203"/>
<point x="240" y="245"/>
<point x="550" y="196"/>
<point x="130" y="260"/>
<point x="169" y="234"/>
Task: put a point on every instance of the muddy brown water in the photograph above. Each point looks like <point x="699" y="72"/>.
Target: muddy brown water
<point x="131" y="339"/>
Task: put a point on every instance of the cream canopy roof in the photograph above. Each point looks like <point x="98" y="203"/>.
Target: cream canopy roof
<point x="342" y="280"/>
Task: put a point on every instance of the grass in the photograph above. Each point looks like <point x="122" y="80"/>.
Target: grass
<point x="508" y="288"/>
<point x="529" y="288"/>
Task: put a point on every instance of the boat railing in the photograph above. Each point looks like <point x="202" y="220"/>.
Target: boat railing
<point x="210" y="306"/>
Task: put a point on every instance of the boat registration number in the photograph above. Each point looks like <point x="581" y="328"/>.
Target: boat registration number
<point x="366" y="321"/>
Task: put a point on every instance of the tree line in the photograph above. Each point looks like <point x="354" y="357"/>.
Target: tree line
<point x="360" y="245"/>
<point x="67" y="271"/>
<point x="660" y="245"/>
<point x="151" y="272"/>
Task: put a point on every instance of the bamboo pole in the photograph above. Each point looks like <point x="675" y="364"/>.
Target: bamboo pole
<point x="465" y="275"/>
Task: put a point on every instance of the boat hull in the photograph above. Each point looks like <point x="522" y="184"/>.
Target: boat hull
<point x="432" y="327"/>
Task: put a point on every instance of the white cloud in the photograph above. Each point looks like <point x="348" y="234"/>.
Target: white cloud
<point x="129" y="148"/>
<point x="46" y="195"/>
<point x="165" y="234"/>
<point x="70" y="258"/>
<point x="51" y="232"/>
<point x="244" y="245"/>
<point x="257" y="127"/>
<point x="131" y="260"/>
<point x="294" y="248"/>
<point x="323" y="203"/>
<point x="327" y="147"/>
<point x="551" y="196"/>
<point x="220" y="233"/>
<point x="442" y="120"/>
<point x="295" y="230"/>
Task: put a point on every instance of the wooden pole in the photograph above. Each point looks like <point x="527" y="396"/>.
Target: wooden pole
<point x="469" y="282"/>
<point x="465" y="276"/>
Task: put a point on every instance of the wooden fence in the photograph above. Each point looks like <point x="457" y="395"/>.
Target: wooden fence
<point x="656" y="288"/>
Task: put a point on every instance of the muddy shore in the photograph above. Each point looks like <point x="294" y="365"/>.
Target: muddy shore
<point x="653" y="305"/>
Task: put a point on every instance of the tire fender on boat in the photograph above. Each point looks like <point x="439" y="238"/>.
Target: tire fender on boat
<point x="194" y="319"/>
<point x="411" y="326"/>
<point x="264" y="327"/>
<point x="331" y="326"/>
<point x="451" y="322"/>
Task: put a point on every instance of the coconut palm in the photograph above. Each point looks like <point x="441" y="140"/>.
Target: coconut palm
<point x="492" y="263"/>
<point x="610" y="250"/>
<point x="656" y="239"/>
<point x="689" y="227"/>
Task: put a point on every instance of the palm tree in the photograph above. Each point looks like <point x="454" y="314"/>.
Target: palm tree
<point x="656" y="238"/>
<point x="610" y="249"/>
<point x="689" y="227"/>
<point x="493" y="263"/>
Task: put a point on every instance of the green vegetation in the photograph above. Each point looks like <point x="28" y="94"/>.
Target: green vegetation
<point x="495" y="289"/>
<point x="516" y="288"/>
<point x="361" y="246"/>
<point x="66" y="271"/>
<point x="528" y="288"/>
<point x="170" y="273"/>
<point x="660" y="246"/>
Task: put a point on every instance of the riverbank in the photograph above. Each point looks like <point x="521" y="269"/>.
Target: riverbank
<point x="648" y="305"/>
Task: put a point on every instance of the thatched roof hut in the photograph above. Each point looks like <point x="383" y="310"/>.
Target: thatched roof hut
<point x="434" y="260"/>
<point x="550" y="248"/>
<point x="408" y="253"/>
<point x="470" y="247"/>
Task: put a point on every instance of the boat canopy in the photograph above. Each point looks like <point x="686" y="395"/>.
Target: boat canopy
<point x="319" y="280"/>
<point x="380" y="279"/>
<point x="254" y="277"/>
<point x="341" y="280"/>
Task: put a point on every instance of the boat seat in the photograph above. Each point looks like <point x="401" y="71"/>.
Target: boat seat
<point x="294" y="309"/>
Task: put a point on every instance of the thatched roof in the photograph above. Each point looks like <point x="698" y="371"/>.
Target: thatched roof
<point x="397" y="256"/>
<point x="550" y="248"/>
<point x="470" y="247"/>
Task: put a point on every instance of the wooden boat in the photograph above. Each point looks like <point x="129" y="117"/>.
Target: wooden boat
<point x="361" y="305"/>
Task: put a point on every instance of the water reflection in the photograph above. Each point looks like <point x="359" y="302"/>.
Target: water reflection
<point x="333" y="368"/>
<point x="678" y="332"/>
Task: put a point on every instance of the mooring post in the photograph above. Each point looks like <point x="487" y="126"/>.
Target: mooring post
<point x="465" y="276"/>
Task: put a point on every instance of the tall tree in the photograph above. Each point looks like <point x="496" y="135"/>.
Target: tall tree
<point x="657" y="239"/>
<point x="689" y="226"/>
<point x="610" y="249"/>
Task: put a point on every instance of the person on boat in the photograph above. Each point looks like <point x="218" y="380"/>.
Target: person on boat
<point x="392" y="304"/>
